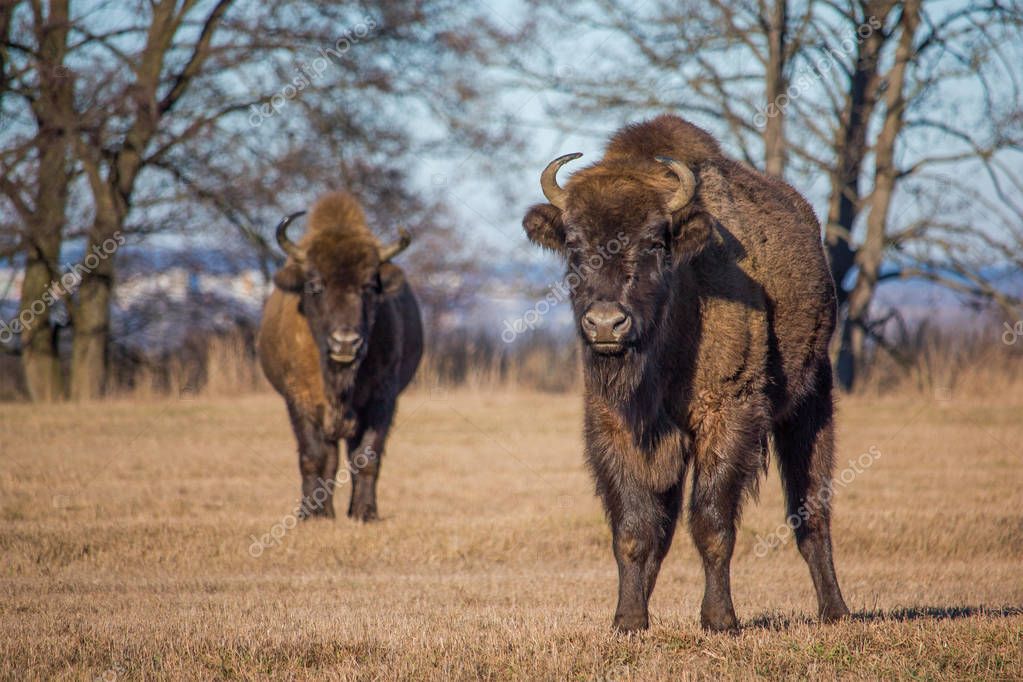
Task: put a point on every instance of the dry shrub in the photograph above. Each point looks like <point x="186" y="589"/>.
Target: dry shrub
<point x="227" y="365"/>
<point x="476" y="360"/>
<point x="930" y="361"/>
<point x="922" y="361"/>
<point x="12" y="378"/>
<point x="213" y="365"/>
<point x="232" y="367"/>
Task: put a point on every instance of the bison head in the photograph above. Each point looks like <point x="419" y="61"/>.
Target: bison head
<point x="340" y="279"/>
<point x="623" y="227"/>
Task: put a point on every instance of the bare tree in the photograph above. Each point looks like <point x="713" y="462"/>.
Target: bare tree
<point x="899" y="112"/>
<point x="114" y="149"/>
<point x="224" y="114"/>
<point x="848" y="90"/>
<point x="35" y="174"/>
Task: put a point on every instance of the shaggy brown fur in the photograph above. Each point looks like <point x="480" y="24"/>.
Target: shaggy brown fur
<point x="730" y="307"/>
<point x="340" y="285"/>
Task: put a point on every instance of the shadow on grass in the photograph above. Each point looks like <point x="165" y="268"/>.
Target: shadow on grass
<point x="769" y="622"/>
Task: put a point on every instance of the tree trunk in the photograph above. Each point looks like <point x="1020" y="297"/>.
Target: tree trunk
<point x="39" y="358"/>
<point x="844" y="202"/>
<point x="774" y="127"/>
<point x="44" y="223"/>
<point x="92" y="330"/>
<point x="92" y="312"/>
<point x="870" y="255"/>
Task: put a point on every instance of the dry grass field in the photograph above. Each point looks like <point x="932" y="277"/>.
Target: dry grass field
<point x="126" y="551"/>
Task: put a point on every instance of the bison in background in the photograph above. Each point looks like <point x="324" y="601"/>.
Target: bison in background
<point x="340" y="338"/>
<point x="705" y="332"/>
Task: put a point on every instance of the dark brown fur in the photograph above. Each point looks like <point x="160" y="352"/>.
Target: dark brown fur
<point x="732" y="307"/>
<point x="340" y="284"/>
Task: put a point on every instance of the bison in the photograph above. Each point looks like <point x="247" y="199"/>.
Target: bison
<point x="340" y="338"/>
<point x="705" y="307"/>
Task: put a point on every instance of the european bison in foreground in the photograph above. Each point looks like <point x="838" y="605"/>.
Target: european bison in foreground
<point x="341" y="337"/>
<point x="705" y="306"/>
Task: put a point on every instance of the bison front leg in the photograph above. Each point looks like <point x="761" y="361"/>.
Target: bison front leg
<point x="365" y="455"/>
<point x="364" y="463"/>
<point x="726" y="465"/>
<point x="317" y="462"/>
<point x="714" y="508"/>
<point x="642" y="526"/>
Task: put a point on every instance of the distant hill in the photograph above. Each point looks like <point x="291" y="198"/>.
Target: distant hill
<point x="163" y="295"/>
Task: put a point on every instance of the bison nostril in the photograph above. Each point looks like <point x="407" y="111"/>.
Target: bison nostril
<point x="622" y="327"/>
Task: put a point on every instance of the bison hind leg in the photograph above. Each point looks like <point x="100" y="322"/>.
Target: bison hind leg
<point x="804" y="444"/>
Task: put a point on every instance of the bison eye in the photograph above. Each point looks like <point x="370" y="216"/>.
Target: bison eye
<point x="314" y="286"/>
<point x="658" y="246"/>
<point x="573" y="244"/>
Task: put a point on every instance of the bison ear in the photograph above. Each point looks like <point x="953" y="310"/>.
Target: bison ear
<point x="544" y="227"/>
<point x="291" y="277"/>
<point x="691" y="235"/>
<point x="392" y="279"/>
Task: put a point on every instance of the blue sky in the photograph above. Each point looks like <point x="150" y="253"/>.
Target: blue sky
<point x="474" y="193"/>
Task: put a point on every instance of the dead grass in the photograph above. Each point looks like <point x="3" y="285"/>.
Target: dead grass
<point x="127" y="527"/>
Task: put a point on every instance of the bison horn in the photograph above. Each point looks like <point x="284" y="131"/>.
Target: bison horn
<point x="391" y="250"/>
<point x="686" y="189"/>
<point x="549" y="181"/>
<point x="287" y="246"/>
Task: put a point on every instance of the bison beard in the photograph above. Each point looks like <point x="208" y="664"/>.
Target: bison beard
<point x="705" y="340"/>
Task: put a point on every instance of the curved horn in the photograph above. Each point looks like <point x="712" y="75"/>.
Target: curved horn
<point x="393" y="249"/>
<point x="287" y="246"/>
<point x="687" y="186"/>
<point x="549" y="181"/>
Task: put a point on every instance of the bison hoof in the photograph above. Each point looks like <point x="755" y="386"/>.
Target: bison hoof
<point x="364" y="515"/>
<point x="833" y="614"/>
<point x="626" y="623"/>
<point x="726" y="623"/>
<point x="310" y="514"/>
